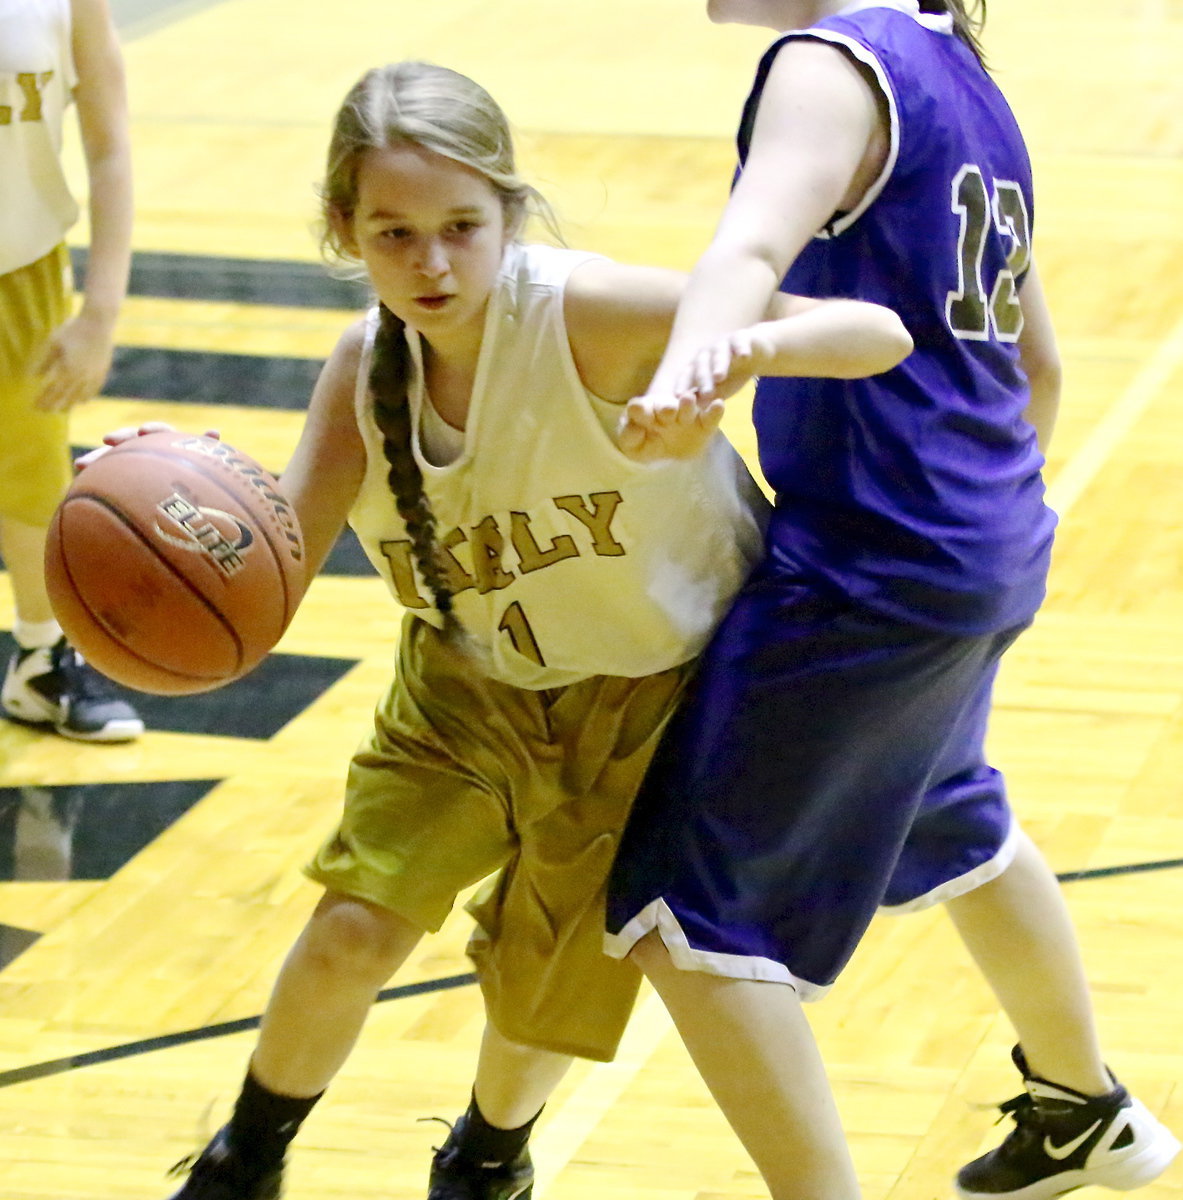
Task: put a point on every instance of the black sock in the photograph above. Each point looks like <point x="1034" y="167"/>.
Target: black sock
<point x="264" y="1122"/>
<point x="487" y="1145"/>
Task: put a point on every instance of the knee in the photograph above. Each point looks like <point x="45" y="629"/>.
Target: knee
<point x="351" y="936"/>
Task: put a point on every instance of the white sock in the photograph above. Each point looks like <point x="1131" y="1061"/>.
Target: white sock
<point x="36" y="635"/>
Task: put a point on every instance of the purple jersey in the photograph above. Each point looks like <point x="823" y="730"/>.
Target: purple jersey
<point x="918" y="491"/>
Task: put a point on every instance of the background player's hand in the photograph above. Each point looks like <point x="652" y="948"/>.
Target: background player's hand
<point x="118" y="436"/>
<point x="75" y="363"/>
<point x="657" y="426"/>
<point x="719" y="370"/>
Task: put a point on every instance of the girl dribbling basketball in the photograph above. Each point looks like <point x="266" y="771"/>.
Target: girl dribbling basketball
<point x="556" y="594"/>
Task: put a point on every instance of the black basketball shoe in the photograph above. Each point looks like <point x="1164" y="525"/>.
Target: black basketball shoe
<point x="221" y="1173"/>
<point x="55" y="687"/>
<point x="455" y="1177"/>
<point x="1063" y="1139"/>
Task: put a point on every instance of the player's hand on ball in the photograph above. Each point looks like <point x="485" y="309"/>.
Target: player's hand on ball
<point x="118" y="436"/>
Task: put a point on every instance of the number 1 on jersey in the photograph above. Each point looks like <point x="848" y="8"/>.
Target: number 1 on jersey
<point x="513" y="621"/>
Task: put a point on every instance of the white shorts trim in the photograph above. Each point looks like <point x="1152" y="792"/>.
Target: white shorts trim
<point x="657" y="915"/>
<point x="952" y="888"/>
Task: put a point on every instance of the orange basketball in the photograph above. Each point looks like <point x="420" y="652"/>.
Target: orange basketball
<point x="174" y="563"/>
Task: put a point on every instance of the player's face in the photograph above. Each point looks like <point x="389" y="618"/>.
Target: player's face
<point x="431" y="233"/>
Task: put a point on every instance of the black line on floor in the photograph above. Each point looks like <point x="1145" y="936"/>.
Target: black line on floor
<point x="208" y="377"/>
<point x="286" y="283"/>
<point x="59" y="1066"/>
<point x="1164" y="864"/>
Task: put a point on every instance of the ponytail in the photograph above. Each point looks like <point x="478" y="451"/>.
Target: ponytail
<point x="389" y="373"/>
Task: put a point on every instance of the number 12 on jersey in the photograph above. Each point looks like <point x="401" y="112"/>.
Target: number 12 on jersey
<point x="973" y="314"/>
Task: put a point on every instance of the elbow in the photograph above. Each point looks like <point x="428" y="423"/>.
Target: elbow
<point x="885" y="346"/>
<point x="898" y="343"/>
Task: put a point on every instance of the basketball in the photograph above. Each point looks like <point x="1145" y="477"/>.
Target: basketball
<point x="174" y="563"/>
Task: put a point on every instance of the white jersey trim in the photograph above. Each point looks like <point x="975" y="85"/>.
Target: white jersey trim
<point x="658" y="916"/>
<point x="860" y="52"/>
<point x="937" y="22"/>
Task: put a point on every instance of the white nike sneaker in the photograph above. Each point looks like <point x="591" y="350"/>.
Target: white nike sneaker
<point x="1064" y="1139"/>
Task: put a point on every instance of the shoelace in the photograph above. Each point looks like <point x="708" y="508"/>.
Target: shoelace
<point x="204" y="1136"/>
<point x="83" y="680"/>
<point x="453" y="1152"/>
<point x="184" y="1165"/>
<point x="240" y="1176"/>
<point x="1030" y="1123"/>
<point x="1020" y="1107"/>
<point x="442" y="1121"/>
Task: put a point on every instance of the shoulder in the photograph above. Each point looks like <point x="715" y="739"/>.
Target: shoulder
<point x="355" y="335"/>
<point x="808" y="83"/>
<point x="96" y="51"/>
<point x="879" y="41"/>
<point x="338" y="376"/>
<point x="896" y="50"/>
<point x="351" y="345"/>
<point x="526" y="265"/>
<point x="618" y="318"/>
<point x="89" y="19"/>
<point x="819" y="62"/>
<point x="602" y="290"/>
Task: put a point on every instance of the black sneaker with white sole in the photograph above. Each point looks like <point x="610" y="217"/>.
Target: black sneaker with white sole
<point x="54" y="687"/>
<point x="457" y="1177"/>
<point x="1063" y="1140"/>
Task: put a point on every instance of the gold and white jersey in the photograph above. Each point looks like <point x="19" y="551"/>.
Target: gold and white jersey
<point x="37" y="80"/>
<point x="566" y="558"/>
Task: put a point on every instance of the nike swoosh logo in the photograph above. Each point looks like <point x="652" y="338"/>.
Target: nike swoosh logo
<point x="1062" y="1152"/>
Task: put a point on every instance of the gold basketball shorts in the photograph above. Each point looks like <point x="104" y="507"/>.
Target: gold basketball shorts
<point x="35" y="449"/>
<point x="467" y="779"/>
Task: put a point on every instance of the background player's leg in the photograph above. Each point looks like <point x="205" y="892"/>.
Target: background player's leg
<point x="1019" y="931"/>
<point x="755" y="1050"/>
<point x="45" y="683"/>
<point x="23" y="547"/>
<point x="1076" y="1125"/>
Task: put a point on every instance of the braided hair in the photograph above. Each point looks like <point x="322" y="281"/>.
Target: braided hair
<point x="389" y="368"/>
<point x="415" y="104"/>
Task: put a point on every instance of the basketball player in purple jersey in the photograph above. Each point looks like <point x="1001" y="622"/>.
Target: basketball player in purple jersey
<point x="829" y="761"/>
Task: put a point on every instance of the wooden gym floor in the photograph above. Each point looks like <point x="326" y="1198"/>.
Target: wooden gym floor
<point x="148" y="892"/>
